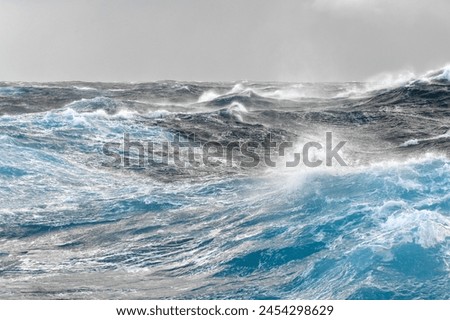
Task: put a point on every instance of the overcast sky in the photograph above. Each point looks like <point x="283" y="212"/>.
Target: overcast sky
<point x="137" y="40"/>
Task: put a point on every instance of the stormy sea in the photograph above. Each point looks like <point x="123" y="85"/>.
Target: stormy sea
<point x="102" y="198"/>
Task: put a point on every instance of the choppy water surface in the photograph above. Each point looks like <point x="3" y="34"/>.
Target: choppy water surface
<point x="73" y="227"/>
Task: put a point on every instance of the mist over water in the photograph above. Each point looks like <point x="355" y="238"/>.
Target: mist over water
<point x="73" y="227"/>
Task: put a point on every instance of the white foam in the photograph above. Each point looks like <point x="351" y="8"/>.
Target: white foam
<point x="234" y="110"/>
<point x="405" y="78"/>
<point x="441" y="74"/>
<point x="289" y="93"/>
<point x="89" y="104"/>
<point x="84" y="88"/>
<point x="72" y="116"/>
<point x="239" y="107"/>
<point x="445" y="135"/>
<point x="122" y="114"/>
<point x="208" y="96"/>
<point x="237" y="88"/>
<point x="411" y="142"/>
<point x="389" y="205"/>
<point x="427" y="228"/>
<point x="387" y="80"/>
<point x="446" y="73"/>
<point x="117" y="90"/>
<point x="161" y="113"/>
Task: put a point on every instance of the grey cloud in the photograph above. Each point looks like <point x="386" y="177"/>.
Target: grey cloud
<point x="321" y="40"/>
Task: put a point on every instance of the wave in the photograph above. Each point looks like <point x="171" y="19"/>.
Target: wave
<point x="208" y="96"/>
<point x="441" y="75"/>
<point x="289" y="92"/>
<point x="375" y="228"/>
<point x="413" y="142"/>
<point x="315" y="233"/>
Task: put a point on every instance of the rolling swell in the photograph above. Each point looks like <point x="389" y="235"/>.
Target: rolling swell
<point x="71" y="227"/>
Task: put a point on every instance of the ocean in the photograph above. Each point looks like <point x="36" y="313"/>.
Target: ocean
<point x="181" y="190"/>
